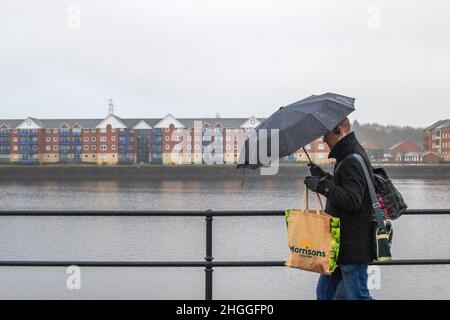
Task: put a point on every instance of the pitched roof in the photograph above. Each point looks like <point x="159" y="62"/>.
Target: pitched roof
<point x="444" y="124"/>
<point x="130" y="123"/>
<point x="411" y="143"/>
<point x="369" y="145"/>
<point x="436" y="124"/>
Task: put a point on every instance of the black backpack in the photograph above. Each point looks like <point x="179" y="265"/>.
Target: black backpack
<point x="390" y="199"/>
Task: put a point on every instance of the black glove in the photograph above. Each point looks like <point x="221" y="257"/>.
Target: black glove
<point x="312" y="183"/>
<point x="317" y="171"/>
<point x="321" y="185"/>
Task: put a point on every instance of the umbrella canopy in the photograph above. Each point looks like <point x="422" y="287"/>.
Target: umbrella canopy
<point x="298" y="123"/>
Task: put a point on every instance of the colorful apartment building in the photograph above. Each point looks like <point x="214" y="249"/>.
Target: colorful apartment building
<point x="114" y="140"/>
<point x="436" y="138"/>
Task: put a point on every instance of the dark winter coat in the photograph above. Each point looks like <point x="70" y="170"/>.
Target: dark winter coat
<point x="348" y="198"/>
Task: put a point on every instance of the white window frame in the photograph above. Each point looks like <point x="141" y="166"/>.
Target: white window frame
<point x="103" y="139"/>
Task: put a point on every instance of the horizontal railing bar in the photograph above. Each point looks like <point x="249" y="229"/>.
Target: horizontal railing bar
<point x="181" y="264"/>
<point x="223" y="213"/>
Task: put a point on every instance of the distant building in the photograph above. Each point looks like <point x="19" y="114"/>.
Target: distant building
<point x="114" y="140"/>
<point x="317" y="150"/>
<point x="405" y="151"/>
<point x="436" y="138"/>
<point x="431" y="158"/>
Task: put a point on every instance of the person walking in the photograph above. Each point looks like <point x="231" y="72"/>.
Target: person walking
<point x="348" y="198"/>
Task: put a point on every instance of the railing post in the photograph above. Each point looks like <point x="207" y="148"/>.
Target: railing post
<point x="208" y="257"/>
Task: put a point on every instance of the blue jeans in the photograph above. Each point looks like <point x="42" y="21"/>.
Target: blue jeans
<point x="348" y="282"/>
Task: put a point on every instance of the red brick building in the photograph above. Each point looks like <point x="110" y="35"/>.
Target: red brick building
<point x="436" y="138"/>
<point x="406" y="151"/>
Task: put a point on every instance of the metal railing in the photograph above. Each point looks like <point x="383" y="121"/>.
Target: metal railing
<point x="208" y="262"/>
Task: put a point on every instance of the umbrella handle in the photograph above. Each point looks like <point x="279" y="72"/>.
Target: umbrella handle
<point x="310" y="161"/>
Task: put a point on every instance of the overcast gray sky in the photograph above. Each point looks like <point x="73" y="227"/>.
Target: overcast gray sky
<point x="61" y="58"/>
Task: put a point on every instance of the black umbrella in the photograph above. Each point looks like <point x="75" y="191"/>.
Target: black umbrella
<point x="298" y="123"/>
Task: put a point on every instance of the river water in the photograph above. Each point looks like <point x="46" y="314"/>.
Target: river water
<point x="183" y="238"/>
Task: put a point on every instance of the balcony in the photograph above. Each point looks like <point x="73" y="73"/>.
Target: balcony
<point x="25" y="141"/>
<point x="28" y="141"/>
<point x="65" y="151"/>
<point x="124" y="133"/>
<point x="4" y="142"/>
<point x="4" y="150"/>
<point x="157" y="132"/>
<point x="65" y="133"/>
<point x="156" y="149"/>
<point x="157" y="160"/>
<point x="33" y="133"/>
<point x="124" y="141"/>
<point x="76" y="133"/>
<point x="77" y="151"/>
<point x="65" y="142"/>
<point x="125" y="160"/>
<point x="123" y="149"/>
<point x="24" y="133"/>
<point x="4" y="133"/>
<point x="157" y="140"/>
<point x="28" y="160"/>
<point x="76" y="141"/>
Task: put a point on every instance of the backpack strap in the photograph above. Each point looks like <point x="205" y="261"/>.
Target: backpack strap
<point x="379" y="214"/>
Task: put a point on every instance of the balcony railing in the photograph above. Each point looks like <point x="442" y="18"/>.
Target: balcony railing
<point x="4" y="133"/>
<point x="64" y="142"/>
<point x="208" y="264"/>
